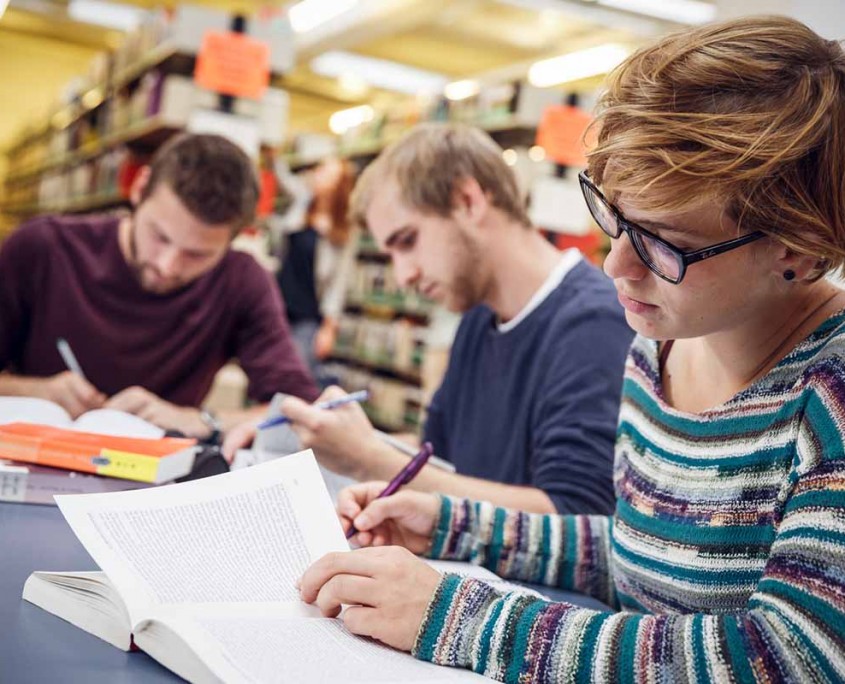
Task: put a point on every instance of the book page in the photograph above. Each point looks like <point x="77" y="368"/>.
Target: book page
<point x="117" y="423"/>
<point x="244" y="536"/>
<point x="267" y="648"/>
<point x="31" y="410"/>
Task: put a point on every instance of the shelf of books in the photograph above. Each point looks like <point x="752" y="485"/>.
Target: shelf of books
<point x="82" y="156"/>
<point x="381" y="342"/>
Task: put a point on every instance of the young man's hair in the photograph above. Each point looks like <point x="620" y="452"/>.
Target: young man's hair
<point x="211" y="176"/>
<point x="749" y="113"/>
<point x="429" y="161"/>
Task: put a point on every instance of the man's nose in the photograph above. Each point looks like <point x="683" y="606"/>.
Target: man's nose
<point x="406" y="271"/>
<point x="169" y="262"/>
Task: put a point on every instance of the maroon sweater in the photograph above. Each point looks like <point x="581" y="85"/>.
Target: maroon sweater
<point x="66" y="277"/>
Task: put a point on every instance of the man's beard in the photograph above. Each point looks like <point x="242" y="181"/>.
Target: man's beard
<point x="145" y="273"/>
<point x="466" y="288"/>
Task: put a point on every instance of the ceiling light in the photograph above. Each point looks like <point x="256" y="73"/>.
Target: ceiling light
<point x="461" y="90"/>
<point x="681" y="11"/>
<point x="509" y="156"/>
<point x="309" y="14"/>
<point x="353" y="85"/>
<point x="342" y="121"/>
<point x="108" y="14"/>
<point x="536" y="153"/>
<point x="3" y="5"/>
<point x="576" y="65"/>
<point x="379" y="73"/>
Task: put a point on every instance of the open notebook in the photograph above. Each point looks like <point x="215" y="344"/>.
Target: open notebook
<point x="202" y="574"/>
<point x="101" y="421"/>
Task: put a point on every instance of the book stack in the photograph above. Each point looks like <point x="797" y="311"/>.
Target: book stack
<point x="38" y="461"/>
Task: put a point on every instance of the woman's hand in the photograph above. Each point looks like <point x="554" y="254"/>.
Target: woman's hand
<point x="405" y="519"/>
<point x="387" y="591"/>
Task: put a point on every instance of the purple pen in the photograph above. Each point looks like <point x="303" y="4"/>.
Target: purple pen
<point x="408" y="473"/>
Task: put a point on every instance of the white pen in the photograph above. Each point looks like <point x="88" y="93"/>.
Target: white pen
<point x="68" y="357"/>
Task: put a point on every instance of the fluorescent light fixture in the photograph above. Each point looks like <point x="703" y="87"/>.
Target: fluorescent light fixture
<point x="379" y="73"/>
<point x="3" y="5"/>
<point x="353" y="84"/>
<point x="576" y="65"/>
<point x="343" y="120"/>
<point x="309" y="14"/>
<point x="461" y="90"/>
<point x="108" y="14"/>
<point x="681" y="11"/>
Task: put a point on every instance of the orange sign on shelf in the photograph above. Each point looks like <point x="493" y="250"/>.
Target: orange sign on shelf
<point x="233" y="64"/>
<point x="560" y="134"/>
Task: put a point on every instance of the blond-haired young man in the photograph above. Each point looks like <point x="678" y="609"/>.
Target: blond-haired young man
<point x="528" y="408"/>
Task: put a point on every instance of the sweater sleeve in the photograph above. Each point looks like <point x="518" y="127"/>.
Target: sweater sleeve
<point x="567" y="551"/>
<point x="791" y="629"/>
<point x="21" y="267"/>
<point x="263" y="342"/>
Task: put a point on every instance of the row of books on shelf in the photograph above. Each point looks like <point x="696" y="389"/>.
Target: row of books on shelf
<point x="393" y="405"/>
<point x="164" y="38"/>
<point x="502" y="108"/>
<point x="373" y="285"/>
<point x="396" y="345"/>
<point x="160" y="105"/>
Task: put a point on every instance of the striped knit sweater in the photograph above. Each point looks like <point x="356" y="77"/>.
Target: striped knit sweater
<point x="724" y="561"/>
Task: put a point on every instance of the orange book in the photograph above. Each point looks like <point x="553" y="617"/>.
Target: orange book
<point x="130" y="458"/>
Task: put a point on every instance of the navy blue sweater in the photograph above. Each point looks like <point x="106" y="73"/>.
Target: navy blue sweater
<point x="538" y="405"/>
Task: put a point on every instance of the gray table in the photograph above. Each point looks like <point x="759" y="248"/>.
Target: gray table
<point x="37" y="647"/>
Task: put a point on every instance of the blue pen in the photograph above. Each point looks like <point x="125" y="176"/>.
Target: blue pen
<point x="362" y="395"/>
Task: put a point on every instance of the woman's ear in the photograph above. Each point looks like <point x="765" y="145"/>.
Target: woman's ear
<point x="794" y="267"/>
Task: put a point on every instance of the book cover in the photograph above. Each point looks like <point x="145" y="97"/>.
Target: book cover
<point x="143" y="460"/>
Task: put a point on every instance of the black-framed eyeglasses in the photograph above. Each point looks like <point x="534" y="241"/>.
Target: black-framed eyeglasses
<point x="661" y="257"/>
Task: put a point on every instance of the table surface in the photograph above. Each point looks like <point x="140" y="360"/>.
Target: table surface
<point x="36" y="646"/>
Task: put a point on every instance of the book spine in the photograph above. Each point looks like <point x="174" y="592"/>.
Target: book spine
<point x="35" y="450"/>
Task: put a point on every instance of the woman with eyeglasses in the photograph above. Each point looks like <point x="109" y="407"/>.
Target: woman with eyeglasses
<point x="719" y="174"/>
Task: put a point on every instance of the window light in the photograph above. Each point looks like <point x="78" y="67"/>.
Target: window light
<point x="576" y="65"/>
<point x="309" y="14"/>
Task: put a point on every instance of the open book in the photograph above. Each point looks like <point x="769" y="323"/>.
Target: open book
<point x="202" y="576"/>
<point x="101" y="421"/>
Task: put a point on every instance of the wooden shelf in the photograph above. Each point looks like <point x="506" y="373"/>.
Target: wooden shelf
<point x="96" y="95"/>
<point x="408" y="377"/>
<point x="150" y="131"/>
<point x="504" y="126"/>
<point x="76" y="205"/>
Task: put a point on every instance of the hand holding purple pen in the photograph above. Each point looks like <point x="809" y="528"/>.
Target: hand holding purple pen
<point x="408" y="473"/>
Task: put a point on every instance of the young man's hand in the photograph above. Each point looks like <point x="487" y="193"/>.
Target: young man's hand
<point x="405" y="519"/>
<point x="72" y="392"/>
<point x="167" y="416"/>
<point x="240" y="437"/>
<point x="387" y="591"/>
<point x="342" y="438"/>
